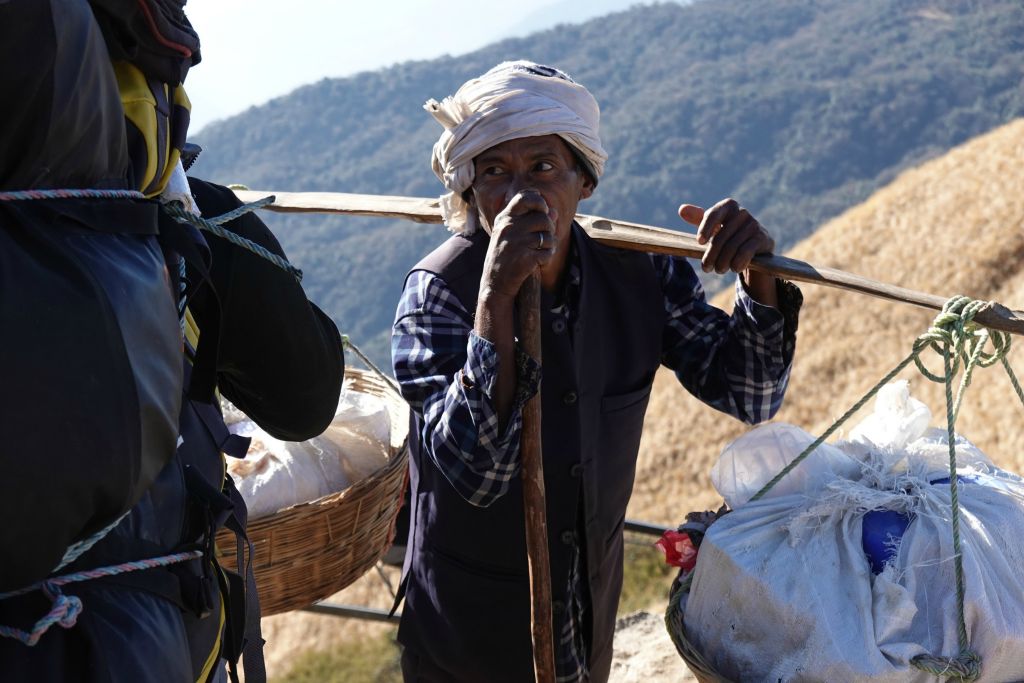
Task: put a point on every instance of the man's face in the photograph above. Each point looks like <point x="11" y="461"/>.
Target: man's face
<point x="542" y="163"/>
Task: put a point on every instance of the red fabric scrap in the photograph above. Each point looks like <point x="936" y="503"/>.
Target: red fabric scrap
<point x="679" y="549"/>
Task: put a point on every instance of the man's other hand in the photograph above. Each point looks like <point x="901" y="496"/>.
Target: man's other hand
<point x="733" y="236"/>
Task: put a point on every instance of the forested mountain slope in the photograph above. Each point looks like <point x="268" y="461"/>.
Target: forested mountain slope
<point x="799" y="108"/>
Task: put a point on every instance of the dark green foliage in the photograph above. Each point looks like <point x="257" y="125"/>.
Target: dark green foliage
<point x="799" y="108"/>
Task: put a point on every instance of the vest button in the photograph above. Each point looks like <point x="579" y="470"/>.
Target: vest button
<point x="569" y="397"/>
<point x="568" y="537"/>
<point x="558" y="608"/>
<point x="558" y="326"/>
<point x="576" y="471"/>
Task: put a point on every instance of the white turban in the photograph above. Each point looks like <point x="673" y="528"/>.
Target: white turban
<point x="513" y="100"/>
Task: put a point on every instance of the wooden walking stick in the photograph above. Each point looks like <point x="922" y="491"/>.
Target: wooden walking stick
<point x="532" y="473"/>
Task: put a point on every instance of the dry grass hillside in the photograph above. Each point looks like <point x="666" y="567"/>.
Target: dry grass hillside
<point x="952" y="226"/>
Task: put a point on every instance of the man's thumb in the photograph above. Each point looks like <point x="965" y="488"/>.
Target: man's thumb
<point x="691" y="213"/>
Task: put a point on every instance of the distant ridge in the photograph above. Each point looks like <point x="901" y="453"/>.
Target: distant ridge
<point x="799" y="108"/>
<point x="953" y="225"/>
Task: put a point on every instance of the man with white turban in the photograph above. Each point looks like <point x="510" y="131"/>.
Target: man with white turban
<point x="520" y="149"/>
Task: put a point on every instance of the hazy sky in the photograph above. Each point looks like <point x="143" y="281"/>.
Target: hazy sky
<point x="254" y="50"/>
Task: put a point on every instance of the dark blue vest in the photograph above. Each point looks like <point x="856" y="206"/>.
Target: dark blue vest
<point x="467" y="604"/>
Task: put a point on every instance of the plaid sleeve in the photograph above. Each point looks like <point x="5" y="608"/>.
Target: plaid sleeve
<point x="737" y="363"/>
<point x="447" y="374"/>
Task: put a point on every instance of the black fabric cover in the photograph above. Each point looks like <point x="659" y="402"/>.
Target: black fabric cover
<point x="61" y="124"/>
<point x="280" y="357"/>
<point x="282" y="360"/>
<point x="91" y="359"/>
<point x="91" y="354"/>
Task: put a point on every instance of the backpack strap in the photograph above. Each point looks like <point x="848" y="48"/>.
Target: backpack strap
<point x="184" y="241"/>
<point x="251" y="636"/>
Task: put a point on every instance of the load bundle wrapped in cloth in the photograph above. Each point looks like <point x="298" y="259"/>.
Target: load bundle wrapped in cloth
<point x="322" y="512"/>
<point x="277" y="474"/>
<point x="844" y="571"/>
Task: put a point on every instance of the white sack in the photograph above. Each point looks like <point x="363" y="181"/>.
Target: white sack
<point x="783" y="590"/>
<point x="361" y="431"/>
<point x="278" y="474"/>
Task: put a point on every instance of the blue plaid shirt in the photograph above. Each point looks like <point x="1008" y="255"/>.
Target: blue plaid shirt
<point x="738" y="364"/>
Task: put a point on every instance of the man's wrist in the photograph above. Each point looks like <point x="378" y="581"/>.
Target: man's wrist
<point x="760" y="287"/>
<point x="495" y="300"/>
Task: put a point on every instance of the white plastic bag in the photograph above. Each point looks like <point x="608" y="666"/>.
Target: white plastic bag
<point x="750" y="462"/>
<point x="898" y="419"/>
<point x="361" y="430"/>
<point x="277" y="474"/>
<point x="898" y="429"/>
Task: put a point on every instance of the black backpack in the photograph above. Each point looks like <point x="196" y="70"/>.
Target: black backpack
<point x="91" y="355"/>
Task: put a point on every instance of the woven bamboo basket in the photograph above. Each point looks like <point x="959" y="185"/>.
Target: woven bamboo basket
<point x="701" y="667"/>
<point x="312" y="550"/>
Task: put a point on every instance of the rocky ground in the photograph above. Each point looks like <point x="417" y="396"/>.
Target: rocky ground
<point x="644" y="653"/>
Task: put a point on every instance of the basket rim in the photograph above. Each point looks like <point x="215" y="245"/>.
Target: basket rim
<point x="675" y="625"/>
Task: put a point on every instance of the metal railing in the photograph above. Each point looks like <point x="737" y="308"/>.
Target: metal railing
<point x="374" y="614"/>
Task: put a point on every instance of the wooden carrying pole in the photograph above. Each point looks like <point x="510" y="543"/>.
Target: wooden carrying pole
<point x="633" y="236"/>
<point x="532" y="473"/>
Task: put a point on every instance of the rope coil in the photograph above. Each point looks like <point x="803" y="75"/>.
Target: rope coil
<point x="65" y="609"/>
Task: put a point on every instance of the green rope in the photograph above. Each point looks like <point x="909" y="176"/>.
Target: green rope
<point x="1013" y="379"/>
<point x="967" y="664"/>
<point x="213" y="226"/>
<point x="831" y="430"/>
<point x="959" y="340"/>
<point x="952" y="327"/>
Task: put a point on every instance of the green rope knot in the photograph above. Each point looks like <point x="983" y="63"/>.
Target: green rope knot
<point x="954" y="330"/>
<point x="964" y="667"/>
